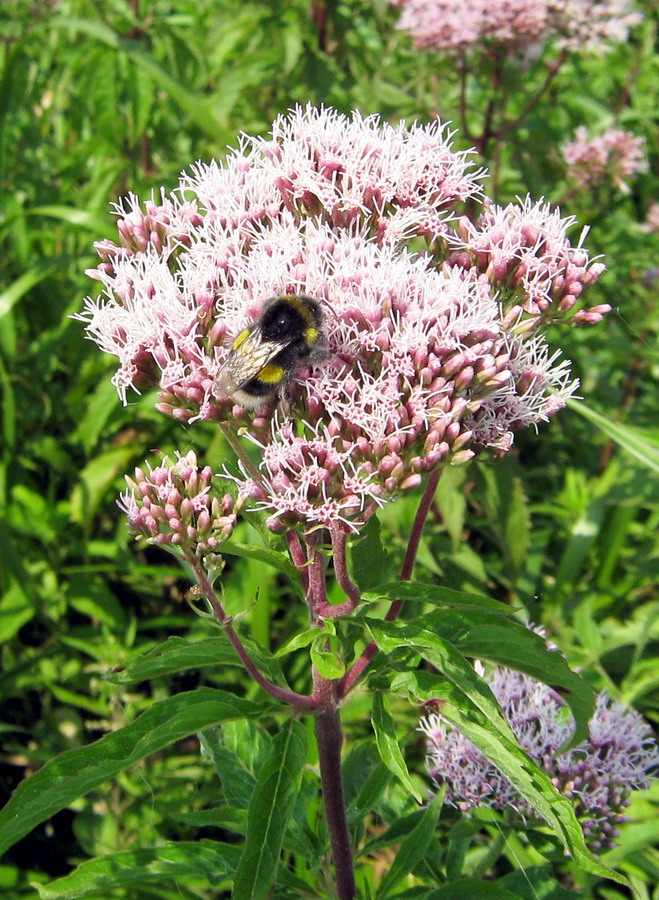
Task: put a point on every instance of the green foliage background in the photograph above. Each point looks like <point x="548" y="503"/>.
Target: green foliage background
<point x="98" y="99"/>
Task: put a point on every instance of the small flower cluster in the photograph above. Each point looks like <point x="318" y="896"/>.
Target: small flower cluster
<point x="577" y="25"/>
<point x="433" y="354"/>
<point x="651" y="223"/>
<point x="619" y="756"/>
<point x="614" y="157"/>
<point x="172" y="504"/>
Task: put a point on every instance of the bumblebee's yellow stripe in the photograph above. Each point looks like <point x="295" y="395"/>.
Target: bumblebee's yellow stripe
<point x="271" y="374"/>
<point x="301" y="307"/>
<point x="242" y="337"/>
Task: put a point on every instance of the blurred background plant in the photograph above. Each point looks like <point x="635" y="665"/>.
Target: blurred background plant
<point x="101" y="98"/>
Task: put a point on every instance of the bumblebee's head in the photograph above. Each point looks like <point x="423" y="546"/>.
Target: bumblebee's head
<point x="292" y="319"/>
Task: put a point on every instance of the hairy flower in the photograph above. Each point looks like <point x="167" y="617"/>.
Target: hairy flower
<point x="619" y="755"/>
<point x="433" y="354"/>
<point x="577" y="25"/>
<point x="172" y="504"/>
<point x="613" y="157"/>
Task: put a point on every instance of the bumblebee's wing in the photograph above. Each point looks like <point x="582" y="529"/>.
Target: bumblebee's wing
<point x="249" y="356"/>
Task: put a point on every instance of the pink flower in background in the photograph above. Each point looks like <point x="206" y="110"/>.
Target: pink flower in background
<point x="612" y="158"/>
<point x="577" y="25"/>
<point x="620" y="755"/>
<point x="434" y="322"/>
<point x="651" y="223"/>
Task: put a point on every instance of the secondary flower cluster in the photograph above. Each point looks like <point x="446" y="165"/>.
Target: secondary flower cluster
<point x="578" y="25"/>
<point x="651" y="223"/>
<point x="172" y="504"/>
<point x="619" y="756"/>
<point x="434" y="321"/>
<point x="614" y="157"/>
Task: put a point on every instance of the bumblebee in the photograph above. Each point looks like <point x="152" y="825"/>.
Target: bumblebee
<point x="265" y="355"/>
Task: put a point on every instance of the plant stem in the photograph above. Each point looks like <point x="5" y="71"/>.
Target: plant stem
<point x="241" y="453"/>
<point x="300" y="701"/>
<point x="330" y="737"/>
<point x="352" y="676"/>
<point x="327" y="610"/>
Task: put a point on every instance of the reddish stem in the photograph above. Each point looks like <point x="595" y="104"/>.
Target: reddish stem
<point x="329" y="737"/>
<point x="327" y="610"/>
<point x="300" y="701"/>
<point x="359" y="667"/>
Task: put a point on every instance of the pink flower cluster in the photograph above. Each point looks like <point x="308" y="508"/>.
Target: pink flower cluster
<point x="434" y="321"/>
<point x="651" y="223"/>
<point x="619" y="756"/>
<point x="577" y="25"/>
<point x="173" y="504"/>
<point x="612" y="158"/>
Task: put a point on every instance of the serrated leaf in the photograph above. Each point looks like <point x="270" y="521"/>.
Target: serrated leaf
<point x="208" y="861"/>
<point x="510" y="644"/>
<point x="269" y="811"/>
<point x="76" y="772"/>
<point x="175" y="655"/>
<point x="477" y="715"/>
<point x="178" y="654"/>
<point x="434" y="594"/>
<point x="274" y="558"/>
<point x="388" y="744"/>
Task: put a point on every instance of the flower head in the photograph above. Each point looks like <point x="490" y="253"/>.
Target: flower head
<point x="619" y="755"/>
<point x="651" y="223"/>
<point x="577" y="25"/>
<point x="173" y="504"/>
<point x="614" y="157"/>
<point x="432" y="355"/>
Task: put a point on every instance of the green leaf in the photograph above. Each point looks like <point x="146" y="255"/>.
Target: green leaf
<point x="237" y="781"/>
<point x="477" y="715"/>
<point x="297" y="642"/>
<point x="269" y="811"/>
<point x="326" y="656"/>
<point x="19" y="601"/>
<point x="207" y="861"/>
<point x="536" y="883"/>
<point x="176" y="655"/>
<point x="388" y="744"/>
<point x="511" y="644"/>
<point x="413" y="848"/>
<point x="507" y="514"/>
<point x="451" y="500"/>
<point x="368" y="559"/>
<point x="474" y="890"/>
<point x="76" y="772"/>
<point x="638" y="442"/>
<point x="435" y="595"/>
<point x="201" y="110"/>
<point x="95" y="480"/>
<point x="274" y="558"/>
<point x="26" y="282"/>
<point x="72" y="216"/>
